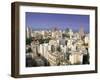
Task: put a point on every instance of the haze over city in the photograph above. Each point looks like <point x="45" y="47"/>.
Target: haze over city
<point x="45" y="21"/>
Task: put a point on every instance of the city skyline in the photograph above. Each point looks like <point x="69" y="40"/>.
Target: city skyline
<point x="47" y="44"/>
<point x="38" y="21"/>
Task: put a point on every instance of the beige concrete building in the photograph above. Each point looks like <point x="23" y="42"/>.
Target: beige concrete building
<point x="76" y="58"/>
<point x="55" y="58"/>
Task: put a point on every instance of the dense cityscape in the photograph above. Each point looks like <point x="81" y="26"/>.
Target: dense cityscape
<point x="56" y="47"/>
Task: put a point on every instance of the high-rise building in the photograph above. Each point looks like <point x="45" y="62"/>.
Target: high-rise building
<point x="54" y="58"/>
<point x="76" y="58"/>
<point x="35" y="48"/>
<point x="28" y="32"/>
<point x="70" y="33"/>
<point x="43" y="50"/>
<point x="81" y="32"/>
<point x="86" y="39"/>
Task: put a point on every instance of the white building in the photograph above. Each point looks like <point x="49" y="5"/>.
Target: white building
<point x="73" y="47"/>
<point x="43" y="49"/>
<point x="69" y="43"/>
<point x="86" y="39"/>
<point x="70" y="33"/>
<point x="53" y="42"/>
<point x="76" y="58"/>
<point x="63" y="48"/>
<point x="28" y="34"/>
<point x="34" y="48"/>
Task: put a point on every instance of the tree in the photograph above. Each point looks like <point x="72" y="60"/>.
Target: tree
<point x="28" y="41"/>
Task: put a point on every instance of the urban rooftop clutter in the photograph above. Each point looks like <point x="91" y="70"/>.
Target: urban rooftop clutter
<point x="56" y="47"/>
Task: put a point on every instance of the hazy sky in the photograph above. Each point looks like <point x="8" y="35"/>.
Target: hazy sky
<point x="61" y="21"/>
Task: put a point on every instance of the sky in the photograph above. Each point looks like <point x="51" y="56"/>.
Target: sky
<point x="38" y="21"/>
